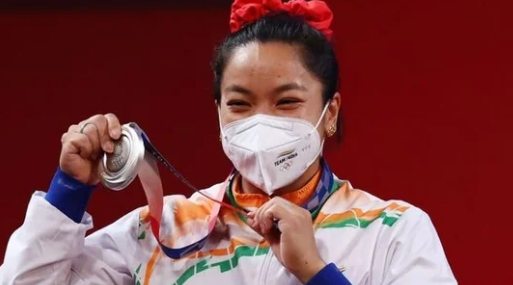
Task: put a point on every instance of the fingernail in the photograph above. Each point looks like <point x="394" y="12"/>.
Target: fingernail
<point x="250" y="222"/>
<point x="114" y="134"/>
<point x="251" y="214"/>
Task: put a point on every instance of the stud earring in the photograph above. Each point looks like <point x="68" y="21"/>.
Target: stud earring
<point x="332" y="130"/>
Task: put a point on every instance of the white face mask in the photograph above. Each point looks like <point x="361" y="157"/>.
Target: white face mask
<point x="272" y="152"/>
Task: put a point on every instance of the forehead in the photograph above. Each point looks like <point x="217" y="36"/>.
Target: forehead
<point x="256" y="63"/>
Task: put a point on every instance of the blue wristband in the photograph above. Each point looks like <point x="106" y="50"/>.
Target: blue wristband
<point x="69" y="195"/>
<point x="329" y="275"/>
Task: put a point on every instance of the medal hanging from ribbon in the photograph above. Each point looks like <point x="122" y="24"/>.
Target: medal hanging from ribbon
<point x="133" y="156"/>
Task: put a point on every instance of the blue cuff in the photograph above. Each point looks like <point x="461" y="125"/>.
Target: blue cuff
<point x="329" y="275"/>
<point x="69" y="195"/>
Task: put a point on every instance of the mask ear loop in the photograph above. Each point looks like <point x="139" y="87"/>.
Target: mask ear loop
<point x="321" y="117"/>
<point x="219" y="119"/>
<point x="315" y="130"/>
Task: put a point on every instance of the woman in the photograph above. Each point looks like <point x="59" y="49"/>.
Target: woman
<point x="276" y="80"/>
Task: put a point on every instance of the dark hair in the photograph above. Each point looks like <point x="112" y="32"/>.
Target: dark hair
<point x="316" y="50"/>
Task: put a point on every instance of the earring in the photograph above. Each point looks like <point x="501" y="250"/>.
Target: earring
<point x="332" y="130"/>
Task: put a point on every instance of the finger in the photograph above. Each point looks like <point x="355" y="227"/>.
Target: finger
<point x="73" y="129"/>
<point x="93" y="135"/>
<point x="252" y="223"/>
<point x="266" y="218"/>
<point x="90" y="131"/>
<point x="100" y="122"/>
<point x="259" y="215"/>
<point x="270" y="218"/>
<point x="114" y="126"/>
<point x="77" y="143"/>
<point x="286" y="209"/>
<point x="273" y="236"/>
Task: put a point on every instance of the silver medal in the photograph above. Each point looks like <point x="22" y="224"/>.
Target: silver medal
<point x="121" y="167"/>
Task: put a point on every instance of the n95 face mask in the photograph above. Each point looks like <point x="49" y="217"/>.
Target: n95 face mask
<point x="270" y="151"/>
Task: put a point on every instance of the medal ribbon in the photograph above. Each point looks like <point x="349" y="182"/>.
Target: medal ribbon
<point x="150" y="179"/>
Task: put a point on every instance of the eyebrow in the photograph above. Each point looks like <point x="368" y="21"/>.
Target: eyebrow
<point x="238" y="89"/>
<point x="289" y="86"/>
<point x="277" y="90"/>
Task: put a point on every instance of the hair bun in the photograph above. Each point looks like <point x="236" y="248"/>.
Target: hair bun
<point x="316" y="13"/>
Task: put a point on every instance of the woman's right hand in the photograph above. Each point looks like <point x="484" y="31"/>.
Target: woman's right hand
<point x="84" y="144"/>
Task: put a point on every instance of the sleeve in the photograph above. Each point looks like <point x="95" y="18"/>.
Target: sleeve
<point x="329" y="275"/>
<point x="416" y="255"/>
<point x="51" y="248"/>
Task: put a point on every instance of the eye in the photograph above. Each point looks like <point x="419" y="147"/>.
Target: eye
<point x="237" y="104"/>
<point x="288" y="101"/>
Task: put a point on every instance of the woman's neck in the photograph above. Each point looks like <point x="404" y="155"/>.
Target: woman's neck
<point x="298" y="184"/>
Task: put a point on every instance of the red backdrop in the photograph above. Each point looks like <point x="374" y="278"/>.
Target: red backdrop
<point x="426" y="98"/>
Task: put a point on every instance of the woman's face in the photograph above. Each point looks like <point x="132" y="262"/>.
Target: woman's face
<point x="271" y="79"/>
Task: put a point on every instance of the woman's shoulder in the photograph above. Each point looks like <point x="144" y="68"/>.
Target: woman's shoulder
<point x="367" y="208"/>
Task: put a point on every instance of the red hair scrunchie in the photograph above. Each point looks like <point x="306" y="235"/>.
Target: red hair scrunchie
<point x="316" y="13"/>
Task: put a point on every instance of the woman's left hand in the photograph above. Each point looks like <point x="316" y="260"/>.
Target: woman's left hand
<point x="295" y="247"/>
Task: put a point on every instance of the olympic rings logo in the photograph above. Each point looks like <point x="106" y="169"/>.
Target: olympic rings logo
<point x="286" y="166"/>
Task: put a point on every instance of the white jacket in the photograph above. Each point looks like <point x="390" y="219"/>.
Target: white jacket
<point x="373" y="241"/>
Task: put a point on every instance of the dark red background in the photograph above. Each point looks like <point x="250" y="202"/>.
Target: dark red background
<point x="426" y="97"/>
